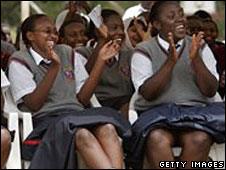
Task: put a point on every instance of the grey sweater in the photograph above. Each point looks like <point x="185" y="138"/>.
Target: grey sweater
<point x="182" y="88"/>
<point x="63" y="93"/>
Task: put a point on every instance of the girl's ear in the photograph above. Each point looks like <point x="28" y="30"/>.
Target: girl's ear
<point x="157" y="25"/>
<point x="30" y="36"/>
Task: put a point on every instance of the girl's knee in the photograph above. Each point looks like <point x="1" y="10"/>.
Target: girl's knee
<point x="5" y="137"/>
<point x="160" y="137"/>
<point x="106" y="130"/>
<point x="83" y="137"/>
<point x="198" y="140"/>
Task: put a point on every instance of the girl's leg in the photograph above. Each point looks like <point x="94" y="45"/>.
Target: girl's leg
<point x="5" y="146"/>
<point x="159" y="147"/>
<point x="195" y="147"/>
<point x="90" y="150"/>
<point x="109" y="140"/>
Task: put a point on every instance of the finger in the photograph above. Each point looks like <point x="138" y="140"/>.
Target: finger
<point x="50" y="44"/>
<point x="171" y="41"/>
<point x="200" y="36"/>
<point x="108" y="44"/>
<point x="149" y="27"/>
<point x="193" y="38"/>
<point x="114" y="47"/>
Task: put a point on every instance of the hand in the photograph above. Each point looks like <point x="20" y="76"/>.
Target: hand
<point x="51" y="55"/>
<point x="197" y="43"/>
<point x="144" y="35"/>
<point x="72" y="7"/>
<point x="173" y="56"/>
<point x="83" y="5"/>
<point x="103" y="31"/>
<point x="109" y="50"/>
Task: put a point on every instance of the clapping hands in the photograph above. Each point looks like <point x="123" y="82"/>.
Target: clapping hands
<point x="109" y="50"/>
<point x="197" y="43"/>
<point x="145" y="35"/>
<point x="173" y="55"/>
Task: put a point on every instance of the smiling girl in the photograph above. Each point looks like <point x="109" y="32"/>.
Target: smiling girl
<point x="174" y="76"/>
<point x="43" y="83"/>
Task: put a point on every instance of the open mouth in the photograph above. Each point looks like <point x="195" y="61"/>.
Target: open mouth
<point x="79" y="45"/>
<point x="180" y="27"/>
<point x="118" y="40"/>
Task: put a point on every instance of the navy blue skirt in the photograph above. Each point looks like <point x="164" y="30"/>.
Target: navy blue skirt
<point x="51" y="146"/>
<point x="210" y="119"/>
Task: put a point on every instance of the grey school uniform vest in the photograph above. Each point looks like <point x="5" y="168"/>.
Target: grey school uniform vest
<point x="182" y="88"/>
<point x="116" y="80"/>
<point x="63" y="93"/>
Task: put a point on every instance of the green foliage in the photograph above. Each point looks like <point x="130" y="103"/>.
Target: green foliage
<point x="10" y="10"/>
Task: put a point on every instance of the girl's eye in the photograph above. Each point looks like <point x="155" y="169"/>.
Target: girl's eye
<point x="171" y="16"/>
<point x="181" y="14"/>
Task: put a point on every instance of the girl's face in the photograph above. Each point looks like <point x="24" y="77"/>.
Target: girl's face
<point x="171" y="19"/>
<point x="133" y="35"/>
<point x="75" y="35"/>
<point x="43" y="34"/>
<point x="210" y="31"/>
<point x="115" y="28"/>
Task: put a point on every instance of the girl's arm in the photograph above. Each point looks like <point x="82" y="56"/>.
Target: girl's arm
<point x="108" y="51"/>
<point x="206" y="82"/>
<point x="155" y="85"/>
<point x="35" y="100"/>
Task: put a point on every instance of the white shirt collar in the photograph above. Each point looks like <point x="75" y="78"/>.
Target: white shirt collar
<point x="165" y="44"/>
<point x="37" y="57"/>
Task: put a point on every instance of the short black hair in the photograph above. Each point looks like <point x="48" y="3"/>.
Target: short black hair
<point x="203" y="15"/>
<point x="76" y="19"/>
<point x="156" y="9"/>
<point x="106" y="13"/>
<point x="28" y="25"/>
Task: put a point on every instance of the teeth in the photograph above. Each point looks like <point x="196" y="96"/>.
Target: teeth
<point x="180" y="26"/>
<point x="79" y="45"/>
<point x="118" y="40"/>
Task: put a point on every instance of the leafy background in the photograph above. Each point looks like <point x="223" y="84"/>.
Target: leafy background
<point x="10" y="11"/>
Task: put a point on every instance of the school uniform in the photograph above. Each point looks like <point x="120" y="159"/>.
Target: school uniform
<point x="115" y="87"/>
<point x="180" y="106"/>
<point x="218" y="49"/>
<point x="50" y="145"/>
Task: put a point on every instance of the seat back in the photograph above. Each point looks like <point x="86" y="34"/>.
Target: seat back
<point x="11" y="114"/>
